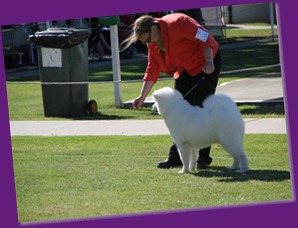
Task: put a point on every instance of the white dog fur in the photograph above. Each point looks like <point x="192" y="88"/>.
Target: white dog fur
<point x="192" y="127"/>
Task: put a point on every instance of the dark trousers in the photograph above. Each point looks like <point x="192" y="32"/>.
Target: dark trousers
<point x="205" y="87"/>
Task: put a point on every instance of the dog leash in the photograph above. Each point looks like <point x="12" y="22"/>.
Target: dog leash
<point x="189" y="91"/>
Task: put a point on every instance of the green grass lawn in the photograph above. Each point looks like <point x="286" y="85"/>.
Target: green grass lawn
<point x="25" y="103"/>
<point x="76" y="177"/>
<point x="244" y="34"/>
<point x="25" y="100"/>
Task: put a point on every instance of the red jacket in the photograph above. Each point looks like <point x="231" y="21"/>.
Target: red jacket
<point x="184" y="41"/>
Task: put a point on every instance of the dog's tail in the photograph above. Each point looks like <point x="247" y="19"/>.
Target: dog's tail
<point x="219" y="101"/>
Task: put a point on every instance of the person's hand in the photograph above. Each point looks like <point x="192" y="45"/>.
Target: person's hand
<point x="209" y="67"/>
<point x="138" y="102"/>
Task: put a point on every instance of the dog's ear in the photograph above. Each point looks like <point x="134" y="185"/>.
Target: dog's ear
<point x="156" y="93"/>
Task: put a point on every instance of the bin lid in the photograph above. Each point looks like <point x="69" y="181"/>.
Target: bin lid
<point x="59" y="37"/>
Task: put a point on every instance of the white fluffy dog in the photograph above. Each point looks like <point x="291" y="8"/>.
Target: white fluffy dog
<point x="193" y="128"/>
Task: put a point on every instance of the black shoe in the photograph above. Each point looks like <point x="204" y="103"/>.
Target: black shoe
<point x="204" y="160"/>
<point x="203" y="166"/>
<point x="204" y="163"/>
<point x="172" y="161"/>
<point x="169" y="164"/>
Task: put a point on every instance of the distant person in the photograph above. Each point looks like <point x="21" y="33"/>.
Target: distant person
<point x="124" y="27"/>
<point x="197" y="15"/>
<point x="97" y="42"/>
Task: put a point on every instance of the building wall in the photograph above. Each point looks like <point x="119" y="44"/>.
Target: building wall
<point x="250" y="13"/>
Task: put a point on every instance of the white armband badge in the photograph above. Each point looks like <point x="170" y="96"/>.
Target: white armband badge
<point x="202" y="35"/>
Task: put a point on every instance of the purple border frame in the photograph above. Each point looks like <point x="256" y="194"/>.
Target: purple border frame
<point x="274" y="214"/>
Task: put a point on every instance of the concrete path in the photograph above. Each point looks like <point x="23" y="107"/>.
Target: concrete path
<point x="260" y="89"/>
<point x="125" y="127"/>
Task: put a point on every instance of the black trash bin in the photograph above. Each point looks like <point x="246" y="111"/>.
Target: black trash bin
<point x="63" y="68"/>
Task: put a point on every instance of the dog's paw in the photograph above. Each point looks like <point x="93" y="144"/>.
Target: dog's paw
<point x="182" y="171"/>
<point x="154" y="109"/>
<point x="232" y="167"/>
<point x="192" y="167"/>
<point x="237" y="170"/>
<point x="241" y="171"/>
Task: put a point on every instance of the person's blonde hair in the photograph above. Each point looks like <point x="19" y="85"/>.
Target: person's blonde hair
<point x="142" y="25"/>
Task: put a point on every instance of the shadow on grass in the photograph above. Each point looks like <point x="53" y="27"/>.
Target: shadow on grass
<point x="100" y="116"/>
<point x="232" y="176"/>
<point x="249" y="57"/>
<point x="262" y="109"/>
